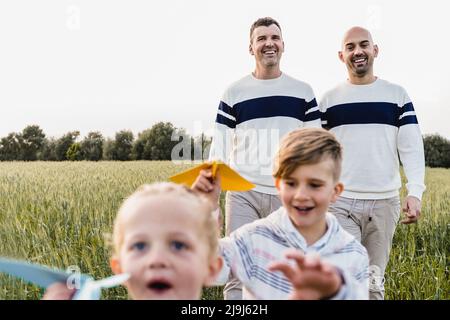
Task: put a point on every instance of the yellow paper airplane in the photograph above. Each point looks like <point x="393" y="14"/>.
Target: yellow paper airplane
<point x="230" y="179"/>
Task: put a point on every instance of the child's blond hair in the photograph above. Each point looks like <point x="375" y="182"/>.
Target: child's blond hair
<point x="200" y="204"/>
<point x="307" y="146"/>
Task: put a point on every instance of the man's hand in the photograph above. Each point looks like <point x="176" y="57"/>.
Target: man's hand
<point x="58" y="291"/>
<point x="311" y="278"/>
<point x="208" y="186"/>
<point x="411" y="208"/>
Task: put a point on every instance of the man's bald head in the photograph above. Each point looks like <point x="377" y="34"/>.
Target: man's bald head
<point x="356" y="33"/>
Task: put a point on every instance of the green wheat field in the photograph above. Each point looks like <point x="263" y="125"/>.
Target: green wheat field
<point x="60" y="215"/>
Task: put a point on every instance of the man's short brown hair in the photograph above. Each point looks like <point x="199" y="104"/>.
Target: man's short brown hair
<point x="265" y="22"/>
<point x="307" y="146"/>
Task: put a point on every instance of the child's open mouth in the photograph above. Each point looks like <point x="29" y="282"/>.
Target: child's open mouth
<point x="159" y="286"/>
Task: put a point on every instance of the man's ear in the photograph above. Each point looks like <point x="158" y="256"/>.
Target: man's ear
<point x="341" y="56"/>
<point x="375" y="50"/>
<point x="215" y="265"/>
<point x="115" y="265"/>
<point x="338" y="188"/>
<point x="250" y="49"/>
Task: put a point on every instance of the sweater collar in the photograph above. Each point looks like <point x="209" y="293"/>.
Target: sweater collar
<point x="330" y="241"/>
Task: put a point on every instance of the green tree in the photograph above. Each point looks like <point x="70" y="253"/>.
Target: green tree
<point x="11" y="147"/>
<point x="74" y="152"/>
<point x="155" y="143"/>
<point x="92" y="146"/>
<point x="33" y="139"/>
<point x="437" y="151"/>
<point x="48" y="152"/>
<point x="109" y="152"/>
<point x="63" y="144"/>
<point x="123" y="145"/>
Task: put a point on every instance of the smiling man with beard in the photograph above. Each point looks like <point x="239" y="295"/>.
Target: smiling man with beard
<point x="254" y="114"/>
<point x="376" y="123"/>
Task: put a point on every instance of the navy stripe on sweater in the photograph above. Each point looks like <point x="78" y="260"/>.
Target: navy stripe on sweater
<point x="408" y="120"/>
<point x="366" y="113"/>
<point x="269" y="234"/>
<point x="274" y="106"/>
<point x="272" y="279"/>
<point x="407" y="107"/>
<point x="245" y="256"/>
<point x="227" y="109"/>
<point x="313" y="116"/>
<point x="225" y="121"/>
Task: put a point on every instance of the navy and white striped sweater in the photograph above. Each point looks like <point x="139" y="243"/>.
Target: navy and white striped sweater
<point x="375" y="123"/>
<point x="253" y="116"/>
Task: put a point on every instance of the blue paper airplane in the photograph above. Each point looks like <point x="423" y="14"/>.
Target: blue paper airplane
<point x="86" y="287"/>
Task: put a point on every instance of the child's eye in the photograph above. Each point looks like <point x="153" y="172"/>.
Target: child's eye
<point x="178" y="245"/>
<point x="139" y="246"/>
<point x="290" y="183"/>
<point x="315" y="185"/>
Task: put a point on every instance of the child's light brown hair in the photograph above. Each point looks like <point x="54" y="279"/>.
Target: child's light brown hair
<point x="200" y="204"/>
<point x="307" y="146"/>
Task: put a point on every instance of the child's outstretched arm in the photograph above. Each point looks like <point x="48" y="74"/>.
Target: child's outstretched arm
<point x="311" y="277"/>
<point x="208" y="186"/>
<point x="58" y="291"/>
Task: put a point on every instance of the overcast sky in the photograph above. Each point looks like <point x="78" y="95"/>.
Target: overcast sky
<point x="109" y="65"/>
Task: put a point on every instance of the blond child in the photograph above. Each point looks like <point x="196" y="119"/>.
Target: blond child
<point x="165" y="238"/>
<point x="323" y="260"/>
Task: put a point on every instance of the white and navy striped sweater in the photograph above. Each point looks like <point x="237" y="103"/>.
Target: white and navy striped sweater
<point x="375" y="123"/>
<point x="252" y="118"/>
<point x="250" y="249"/>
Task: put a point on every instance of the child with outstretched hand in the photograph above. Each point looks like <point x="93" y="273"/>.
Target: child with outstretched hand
<point x="323" y="260"/>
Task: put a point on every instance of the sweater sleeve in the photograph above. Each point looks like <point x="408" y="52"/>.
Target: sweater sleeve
<point x="323" y="113"/>
<point x="224" y="127"/>
<point x="312" y="113"/>
<point x="410" y="149"/>
<point x="356" y="283"/>
<point x="236" y="252"/>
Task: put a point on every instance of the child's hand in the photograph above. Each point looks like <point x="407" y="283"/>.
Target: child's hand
<point x="311" y="278"/>
<point x="58" y="291"/>
<point x="209" y="187"/>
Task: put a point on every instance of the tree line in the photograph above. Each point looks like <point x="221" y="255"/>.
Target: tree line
<point x="155" y="143"/>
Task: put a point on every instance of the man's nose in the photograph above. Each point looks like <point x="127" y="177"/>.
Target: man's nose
<point x="269" y="43"/>
<point x="358" y="51"/>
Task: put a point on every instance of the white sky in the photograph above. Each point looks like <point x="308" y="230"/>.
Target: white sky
<point x="110" y="65"/>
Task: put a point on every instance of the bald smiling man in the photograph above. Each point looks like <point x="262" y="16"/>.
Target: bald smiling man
<point x="376" y="123"/>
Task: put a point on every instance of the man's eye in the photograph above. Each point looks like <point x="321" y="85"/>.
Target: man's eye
<point x="139" y="246"/>
<point x="178" y="245"/>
